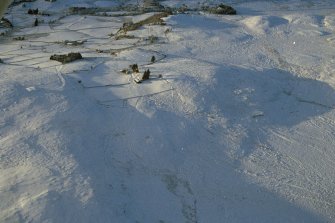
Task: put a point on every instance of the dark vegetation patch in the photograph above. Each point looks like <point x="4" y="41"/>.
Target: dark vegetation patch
<point x="152" y="20"/>
<point x="19" y="38"/>
<point x="83" y="10"/>
<point x="73" y="42"/>
<point x="125" y="36"/>
<point x="134" y="68"/>
<point x="182" y="9"/>
<point x="21" y="1"/>
<point x="152" y="5"/>
<point x="6" y="23"/>
<point x="220" y="9"/>
<point x="125" y="71"/>
<point x="152" y="39"/>
<point x="131" y="9"/>
<point x="146" y="75"/>
<point x="103" y="11"/>
<point x="36" y="22"/>
<point x="66" y="58"/>
<point x="33" y="11"/>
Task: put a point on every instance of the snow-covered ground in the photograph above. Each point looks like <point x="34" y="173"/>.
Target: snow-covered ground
<point x="236" y="123"/>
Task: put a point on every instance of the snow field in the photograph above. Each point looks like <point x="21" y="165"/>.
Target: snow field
<point x="239" y="128"/>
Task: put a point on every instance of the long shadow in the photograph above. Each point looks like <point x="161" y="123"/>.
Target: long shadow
<point x="164" y="167"/>
<point x="270" y="98"/>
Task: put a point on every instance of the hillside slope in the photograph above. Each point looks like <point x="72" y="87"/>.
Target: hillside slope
<point x="235" y="124"/>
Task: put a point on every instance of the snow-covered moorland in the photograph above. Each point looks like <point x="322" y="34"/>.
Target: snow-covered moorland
<point x="235" y="124"/>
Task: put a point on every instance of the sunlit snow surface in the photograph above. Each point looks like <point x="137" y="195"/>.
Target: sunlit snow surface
<point x="236" y="123"/>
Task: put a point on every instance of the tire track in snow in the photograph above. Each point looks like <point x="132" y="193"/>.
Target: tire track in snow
<point x="289" y="170"/>
<point x="279" y="181"/>
<point x="297" y="141"/>
<point x="60" y="77"/>
<point x="299" y="169"/>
